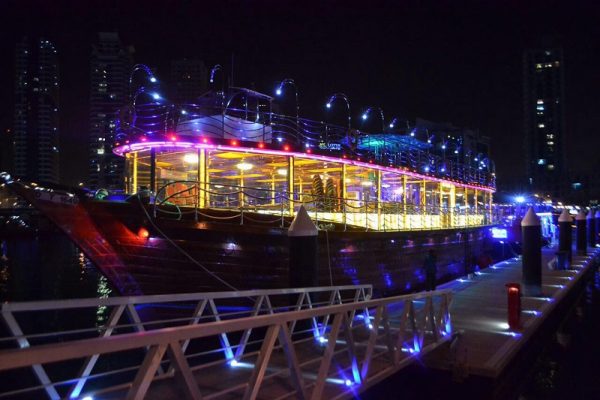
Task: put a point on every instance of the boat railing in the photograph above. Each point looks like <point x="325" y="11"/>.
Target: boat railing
<point x="153" y="121"/>
<point x="115" y="316"/>
<point x="243" y="203"/>
<point x="366" y="339"/>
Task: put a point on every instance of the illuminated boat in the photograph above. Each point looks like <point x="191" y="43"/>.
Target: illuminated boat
<point x="215" y="185"/>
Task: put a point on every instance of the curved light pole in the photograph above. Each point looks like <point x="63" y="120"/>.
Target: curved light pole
<point x="279" y="92"/>
<point x="213" y="72"/>
<point x="211" y="80"/>
<point x="394" y="123"/>
<point x="342" y="96"/>
<point x="369" y="110"/>
<point x="156" y="96"/>
<point x="146" y="70"/>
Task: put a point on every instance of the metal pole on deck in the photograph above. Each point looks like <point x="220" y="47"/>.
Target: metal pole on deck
<point x="591" y="226"/>
<point x="581" y="233"/>
<point x="532" y="254"/>
<point x="303" y="251"/>
<point x="565" y="234"/>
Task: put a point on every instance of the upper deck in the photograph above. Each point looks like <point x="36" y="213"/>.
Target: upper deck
<point x="230" y="150"/>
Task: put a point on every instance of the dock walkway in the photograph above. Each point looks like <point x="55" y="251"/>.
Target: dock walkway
<point x="479" y="312"/>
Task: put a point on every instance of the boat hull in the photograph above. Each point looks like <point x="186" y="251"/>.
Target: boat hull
<point x="225" y="252"/>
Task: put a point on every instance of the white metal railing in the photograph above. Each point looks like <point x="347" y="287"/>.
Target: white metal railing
<point x="124" y="314"/>
<point x="284" y="361"/>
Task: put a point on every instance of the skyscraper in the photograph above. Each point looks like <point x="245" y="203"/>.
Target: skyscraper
<point x="36" y="153"/>
<point x="544" y="119"/>
<point x="109" y="82"/>
<point x="188" y="79"/>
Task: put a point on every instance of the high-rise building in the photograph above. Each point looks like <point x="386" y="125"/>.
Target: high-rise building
<point x="109" y="83"/>
<point x="188" y="79"/>
<point x="36" y="154"/>
<point x="544" y="120"/>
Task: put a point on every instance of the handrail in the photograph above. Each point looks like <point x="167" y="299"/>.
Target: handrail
<point x="167" y="298"/>
<point x="403" y="326"/>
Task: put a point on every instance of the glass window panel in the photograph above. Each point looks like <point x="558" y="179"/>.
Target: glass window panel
<point x="317" y="184"/>
<point x="238" y="179"/>
<point x="177" y="176"/>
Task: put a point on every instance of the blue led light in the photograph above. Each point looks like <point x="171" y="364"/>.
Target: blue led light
<point x="364" y="116"/>
<point x="348" y="382"/>
<point x="152" y="79"/>
<point x="156" y="96"/>
<point x="328" y="105"/>
<point x="278" y="92"/>
<point x="391" y="125"/>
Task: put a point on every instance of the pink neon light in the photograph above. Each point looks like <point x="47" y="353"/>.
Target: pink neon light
<point x="169" y="145"/>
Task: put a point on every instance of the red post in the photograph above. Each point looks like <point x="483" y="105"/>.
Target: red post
<point x="514" y="304"/>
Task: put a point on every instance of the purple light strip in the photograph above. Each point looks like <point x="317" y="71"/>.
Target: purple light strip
<point x="121" y="150"/>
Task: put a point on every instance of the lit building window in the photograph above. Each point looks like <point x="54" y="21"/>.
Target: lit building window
<point x="541" y="126"/>
<point x="550" y="167"/>
<point x="540" y="101"/>
<point x="541" y="161"/>
<point x="550" y="143"/>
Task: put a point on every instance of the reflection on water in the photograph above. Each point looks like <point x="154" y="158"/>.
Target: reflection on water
<point x="47" y="267"/>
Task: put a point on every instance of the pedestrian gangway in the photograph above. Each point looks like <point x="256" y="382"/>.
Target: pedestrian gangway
<point x="325" y="342"/>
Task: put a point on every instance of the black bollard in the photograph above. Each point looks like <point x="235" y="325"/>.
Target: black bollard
<point x="531" y="232"/>
<point x="565" y="235"/>
<point x="580" y="220"/>
<point x="303" y="251"/>
<point x="591" y="227"/>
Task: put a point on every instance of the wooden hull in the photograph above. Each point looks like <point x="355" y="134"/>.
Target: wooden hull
<point x="185" y="255"/>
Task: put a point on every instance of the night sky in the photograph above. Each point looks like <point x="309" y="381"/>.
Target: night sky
<point x="452" y="61"/>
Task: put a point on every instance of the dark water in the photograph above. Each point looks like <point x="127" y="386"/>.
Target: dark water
<point x="47" y="267"/>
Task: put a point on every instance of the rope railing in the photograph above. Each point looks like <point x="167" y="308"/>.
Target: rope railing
<point x="367" y="214"/>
